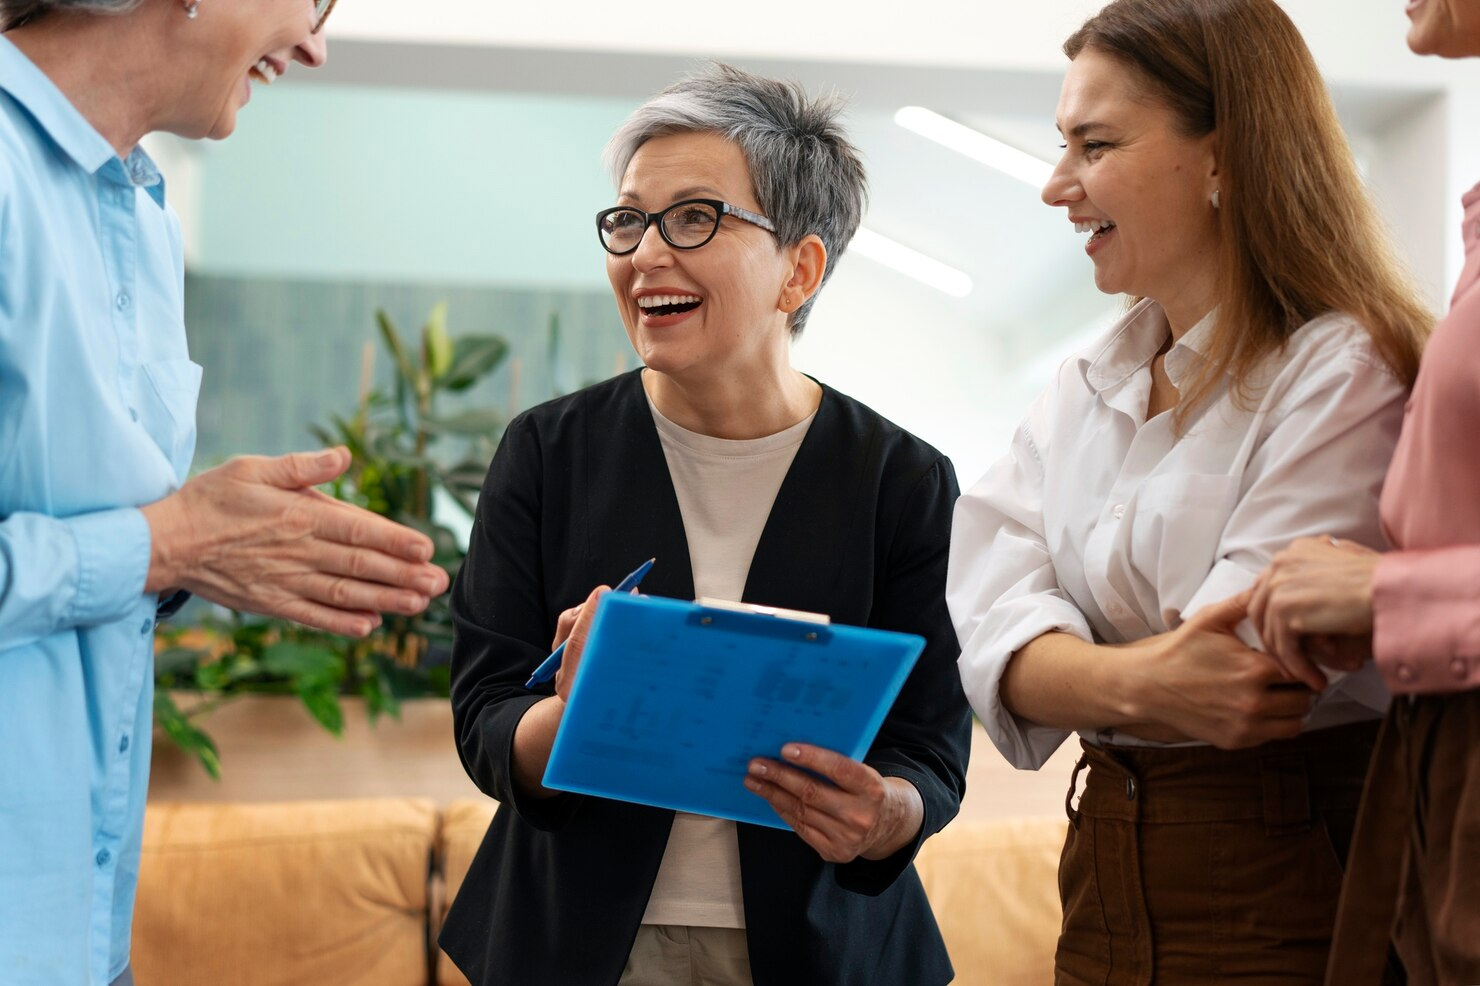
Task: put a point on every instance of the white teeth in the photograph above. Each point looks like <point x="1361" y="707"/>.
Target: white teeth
<point x="1093" y="226"/>
<point x="660" y="300"/>
<point x="266" y="72"/>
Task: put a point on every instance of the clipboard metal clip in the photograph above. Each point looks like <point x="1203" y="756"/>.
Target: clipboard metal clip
<point x="716" y="613"/>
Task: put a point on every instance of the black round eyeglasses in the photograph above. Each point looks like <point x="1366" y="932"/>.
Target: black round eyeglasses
<point x="685" y="225"/>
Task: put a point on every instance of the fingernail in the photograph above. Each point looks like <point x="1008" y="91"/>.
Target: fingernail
<point x="758" y="769"/>
<point x="752" y="784"/>
<point x="792" y="752"/>
<point x="329" y="458"/>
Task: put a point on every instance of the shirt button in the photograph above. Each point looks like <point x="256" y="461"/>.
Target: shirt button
<point x="122" y="301"/>
<point x="103" y="857"/>
<point x="1116" y="609"/>
<point x="1130" y="789"/>
<point x="133" y="413"/>
<point x="123" y="744"/>
<point x="1460" y="667"/>
<point x="146" y="626"/>
<point x="1118" y="511"/>
<point x="1405" y="674"/>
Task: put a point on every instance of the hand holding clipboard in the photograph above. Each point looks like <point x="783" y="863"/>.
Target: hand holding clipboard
<point x="675" y="702"/>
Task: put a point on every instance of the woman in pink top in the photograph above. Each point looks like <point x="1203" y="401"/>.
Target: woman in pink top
<point x="1414" y="870"/>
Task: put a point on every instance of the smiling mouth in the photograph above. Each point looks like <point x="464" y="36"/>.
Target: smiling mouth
<point x="263" y="72"/>
<point x="657" y="306"/>
<point x="1096" y="228"/>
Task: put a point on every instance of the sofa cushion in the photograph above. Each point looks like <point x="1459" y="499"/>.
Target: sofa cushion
<point x="310" y="892"/>
<point x="994" y="888"/>
<point x="992" y="884"/>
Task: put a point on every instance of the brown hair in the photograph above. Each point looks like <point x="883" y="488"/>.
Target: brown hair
<point x="1299" y="236"/>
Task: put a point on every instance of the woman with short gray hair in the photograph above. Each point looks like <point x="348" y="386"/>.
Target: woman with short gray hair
<point x="748" y="481"/>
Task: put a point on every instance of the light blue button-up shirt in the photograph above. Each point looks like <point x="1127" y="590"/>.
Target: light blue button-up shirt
<point x="97" y="410"/>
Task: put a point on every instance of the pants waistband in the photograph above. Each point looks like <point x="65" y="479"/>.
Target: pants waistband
<point x="1282" y="782"/>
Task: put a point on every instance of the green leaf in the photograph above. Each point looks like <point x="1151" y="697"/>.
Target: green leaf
<point x="436" y="346"/>
<point x="213" y="677"/>
<point x="177" y="660"/>
<point x="379" y="688"/>
<point x="392" y="340"/>
<point x="352" y="437"/>
<point x="322" y="701"/>
<point x="185" y="734"/>
<point x="552" y="353"/>
<point x="309" y="662"/>
<point x="472" y="357"/>
<point x="478" y="421"/>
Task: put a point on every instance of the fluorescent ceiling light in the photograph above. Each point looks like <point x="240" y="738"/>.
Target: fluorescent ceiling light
<point x="975" y="145"/>
<point x="911" y="263"/>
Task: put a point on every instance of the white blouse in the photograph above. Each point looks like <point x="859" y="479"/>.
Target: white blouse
<point x="1102" y="524"/>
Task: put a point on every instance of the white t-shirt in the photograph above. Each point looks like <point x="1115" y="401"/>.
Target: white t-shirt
<point x="725" y="493"/>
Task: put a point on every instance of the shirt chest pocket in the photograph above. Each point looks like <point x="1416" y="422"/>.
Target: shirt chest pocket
<point x="1176" y="527"/>
<point x="167" y="409"/>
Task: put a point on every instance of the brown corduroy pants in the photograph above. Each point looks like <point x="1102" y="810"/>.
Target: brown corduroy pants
<point x="1198" y="865"/>
<point x="1415" y="859"/>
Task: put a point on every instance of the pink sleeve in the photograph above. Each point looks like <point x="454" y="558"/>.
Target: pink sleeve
<point x="1426" y="620"/>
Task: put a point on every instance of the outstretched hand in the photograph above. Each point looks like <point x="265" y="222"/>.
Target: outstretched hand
<point x="254" y="535"/>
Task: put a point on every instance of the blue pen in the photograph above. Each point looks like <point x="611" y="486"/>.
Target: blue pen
<point x="551" y="664"/>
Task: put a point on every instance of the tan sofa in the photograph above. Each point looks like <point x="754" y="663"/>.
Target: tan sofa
<point x="351" y="892"/>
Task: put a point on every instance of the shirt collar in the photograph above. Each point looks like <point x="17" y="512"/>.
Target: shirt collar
<point x="1134" y="342"/>
<point x="55" y="115"/>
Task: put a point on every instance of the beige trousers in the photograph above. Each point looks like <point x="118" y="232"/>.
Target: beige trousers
<point x="673" y="955"/>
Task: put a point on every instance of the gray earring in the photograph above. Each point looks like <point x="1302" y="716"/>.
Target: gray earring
<point x="192" y="9"/>
<point x="1215" y="198"/>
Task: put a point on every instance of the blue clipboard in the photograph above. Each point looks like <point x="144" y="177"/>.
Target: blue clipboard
<point x="673" y="699"/>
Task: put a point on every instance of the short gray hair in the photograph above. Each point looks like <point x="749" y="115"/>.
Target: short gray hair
<point x="14" y="13"/>
<point x="807" y="175"/>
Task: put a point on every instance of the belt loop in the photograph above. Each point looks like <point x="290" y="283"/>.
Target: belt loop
<point x="1069" y="808"/>
<point x="1286" y="794"/>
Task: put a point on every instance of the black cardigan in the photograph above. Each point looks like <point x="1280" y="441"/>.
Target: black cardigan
<point x="578" y="494"/>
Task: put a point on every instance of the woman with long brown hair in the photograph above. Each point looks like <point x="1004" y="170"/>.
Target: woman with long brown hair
<point x="1251" y="395"/>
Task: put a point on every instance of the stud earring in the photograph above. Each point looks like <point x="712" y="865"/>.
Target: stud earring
<point x="192" y="9"/>
<point x="1215" y="198"/>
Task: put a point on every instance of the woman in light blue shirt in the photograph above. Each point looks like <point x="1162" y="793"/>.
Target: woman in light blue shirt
<point x="99" y="529"/>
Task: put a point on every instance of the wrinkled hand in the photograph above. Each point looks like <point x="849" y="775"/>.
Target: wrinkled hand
<point x="1201" y="682"/>
<point x="1313" y="594"/>
<point x="859" y="813"/>
<point x="572" y="629"/>
<point x="254" y="535"/>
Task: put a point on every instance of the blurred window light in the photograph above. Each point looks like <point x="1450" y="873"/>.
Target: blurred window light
<point x="911" y="263"/>
<point x="975" y="145"/>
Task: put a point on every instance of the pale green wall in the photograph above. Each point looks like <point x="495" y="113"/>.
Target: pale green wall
<point x="357" y="183"/>
<point x="330" y="202"/>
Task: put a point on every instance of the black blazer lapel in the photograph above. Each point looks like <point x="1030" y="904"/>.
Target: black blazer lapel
<point x="630" y="503"/>
<point x="817" y="504"/>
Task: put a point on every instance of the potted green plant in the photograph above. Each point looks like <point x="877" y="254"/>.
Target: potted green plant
<point x="412" y="462"/>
